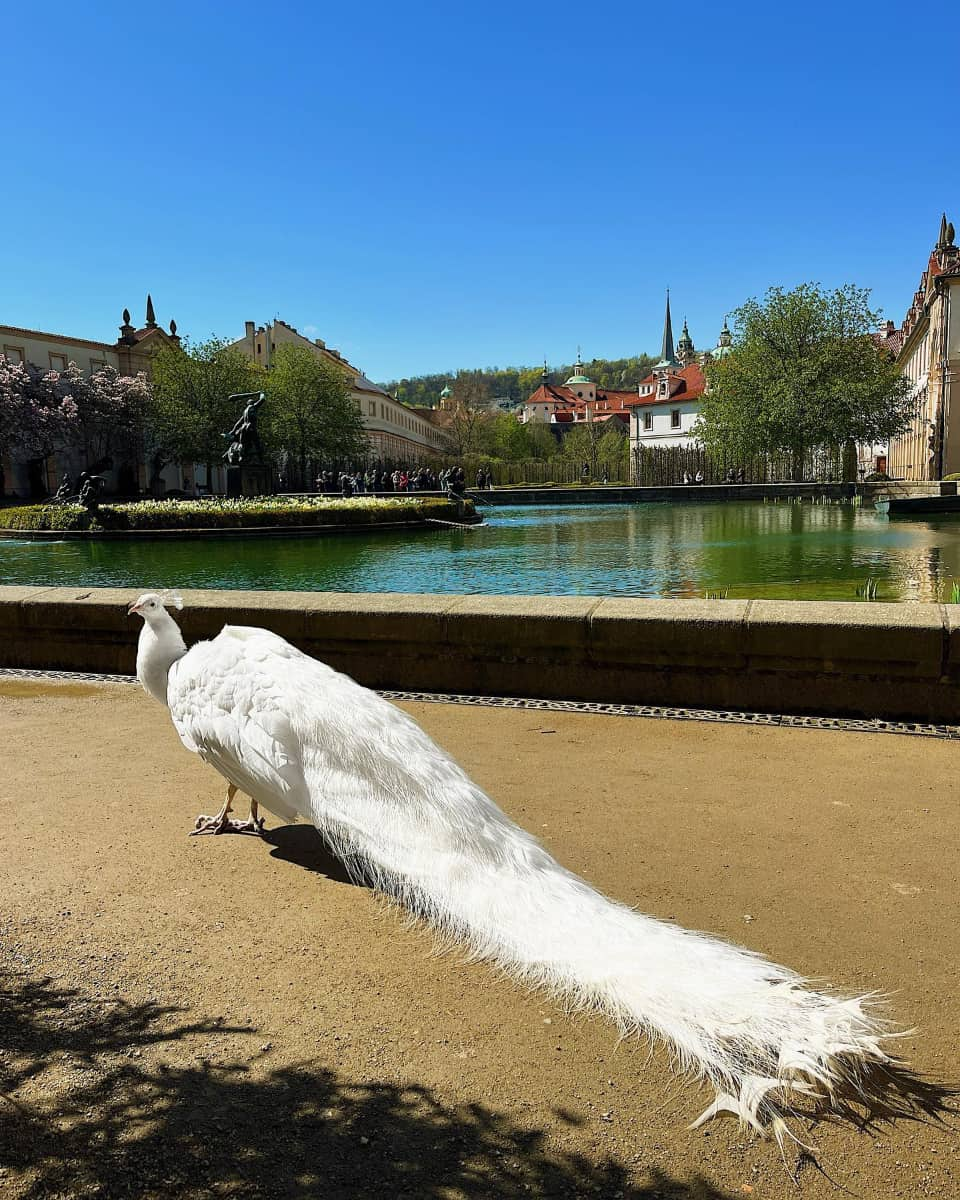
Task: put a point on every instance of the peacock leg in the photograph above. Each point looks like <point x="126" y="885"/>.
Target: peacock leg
<point x="221" y="822"/>
<point x="253" y="824"/>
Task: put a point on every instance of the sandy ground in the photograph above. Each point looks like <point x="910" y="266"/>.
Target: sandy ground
<point x="229" y="1017"/>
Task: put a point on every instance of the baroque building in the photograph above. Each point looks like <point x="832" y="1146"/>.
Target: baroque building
<point x="668" y="402"/>
<point x="396" y="432"/>
<point x="660" y="412"/>
<point x="927" y="348"/>
<point x="129" y="354"/>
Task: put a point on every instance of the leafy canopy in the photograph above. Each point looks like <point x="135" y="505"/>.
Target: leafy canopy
<point x="310" y="414"/>
<point x="188" y="412"/>
<point x="804" y="374"/>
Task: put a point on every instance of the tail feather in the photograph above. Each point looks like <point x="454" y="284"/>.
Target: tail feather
<point x="754" y="1030"/>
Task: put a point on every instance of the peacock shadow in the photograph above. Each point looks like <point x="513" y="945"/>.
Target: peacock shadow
<point x="305" y="847"/>
<point x="107" y="1099"/>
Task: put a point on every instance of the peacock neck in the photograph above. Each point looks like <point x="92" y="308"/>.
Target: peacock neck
<point x="159" y="647"/>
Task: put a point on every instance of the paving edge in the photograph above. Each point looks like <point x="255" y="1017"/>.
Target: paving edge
<point x="586" y="707"/>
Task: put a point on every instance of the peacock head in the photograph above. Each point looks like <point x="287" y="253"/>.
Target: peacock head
<point x="152" y="604"/>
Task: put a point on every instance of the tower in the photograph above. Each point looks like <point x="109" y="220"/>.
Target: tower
<point x="685" y="350"/>
<point x="580" y="384"/>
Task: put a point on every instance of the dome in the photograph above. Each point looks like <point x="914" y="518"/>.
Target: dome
<point x="446" y="393"/>
<point x="578" y="378"/>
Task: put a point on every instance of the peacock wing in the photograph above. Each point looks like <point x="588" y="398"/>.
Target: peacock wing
<point x="229" y="705"/>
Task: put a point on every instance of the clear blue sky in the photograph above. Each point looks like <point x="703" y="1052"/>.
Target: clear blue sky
<point x="434" y="186"/>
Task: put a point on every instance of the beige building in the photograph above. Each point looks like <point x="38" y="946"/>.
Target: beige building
<point x="129" y="354"/>
<point x="395" y="431"/>
<point x="927" y="347"/>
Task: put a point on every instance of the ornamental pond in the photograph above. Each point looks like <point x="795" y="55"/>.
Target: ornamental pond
<point x="784" y="551"/>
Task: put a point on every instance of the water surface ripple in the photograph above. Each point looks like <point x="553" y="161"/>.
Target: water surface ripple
<point x="777" y="551"/>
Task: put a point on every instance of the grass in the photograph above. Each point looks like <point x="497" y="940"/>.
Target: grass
<point x="868" y="589"/>
<point x="716" y="594"/>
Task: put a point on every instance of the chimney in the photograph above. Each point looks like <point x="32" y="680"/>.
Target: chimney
<point x="248" y="331"/>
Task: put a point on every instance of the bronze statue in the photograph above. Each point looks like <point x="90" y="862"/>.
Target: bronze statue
<point x="90" y="487"/>
<point x="64" y="491"/>
<point x="244" y="435"/>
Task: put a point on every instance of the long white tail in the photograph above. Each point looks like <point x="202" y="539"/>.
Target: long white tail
<point x="755" y="1030"/>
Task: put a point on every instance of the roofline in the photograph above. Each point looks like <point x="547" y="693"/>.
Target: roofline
<point x="60" y="337"/>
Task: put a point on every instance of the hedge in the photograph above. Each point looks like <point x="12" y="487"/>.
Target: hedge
<point x="239" y="513"/>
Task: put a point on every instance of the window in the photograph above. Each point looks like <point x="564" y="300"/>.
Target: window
<point x="648" y="421"/>
<point x="675" y="418"/>
<point x="13" y="354"/>
<point x="663" y="387"/>
<point x="97" y="364"/>
<point x="372" y="408"/>
<point x="58" y="362"/>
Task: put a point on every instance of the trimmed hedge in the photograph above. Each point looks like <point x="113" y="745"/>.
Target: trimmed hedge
<point x="240" y="513"/>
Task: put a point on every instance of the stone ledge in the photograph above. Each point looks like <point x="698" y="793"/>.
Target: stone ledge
<point x="866" y="660"/>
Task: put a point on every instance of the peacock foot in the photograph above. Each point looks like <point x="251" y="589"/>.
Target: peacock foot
<point x="222" y="823"/>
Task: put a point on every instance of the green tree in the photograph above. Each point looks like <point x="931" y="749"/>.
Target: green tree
<point x="543" y="445"/>
<point x="310" y="413"/>
<point x="613" y="445"/>
<point x="188" y="411"/>
<point x="582" y="444"/>
<point x="804" y="375"/>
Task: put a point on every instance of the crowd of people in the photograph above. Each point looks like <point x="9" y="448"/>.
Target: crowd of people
<point x="400" y="479"/>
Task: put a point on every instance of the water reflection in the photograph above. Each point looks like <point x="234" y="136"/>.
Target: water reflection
<point x="751" y="550"/>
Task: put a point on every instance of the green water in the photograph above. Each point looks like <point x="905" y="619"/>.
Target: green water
<point x="780" y="551"/>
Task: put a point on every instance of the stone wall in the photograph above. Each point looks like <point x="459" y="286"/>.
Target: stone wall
<point x="710" y="493"/>
<point x="871" y="660"/>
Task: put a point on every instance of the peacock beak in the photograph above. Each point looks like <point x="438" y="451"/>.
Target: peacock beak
<point x="134" y="608"/>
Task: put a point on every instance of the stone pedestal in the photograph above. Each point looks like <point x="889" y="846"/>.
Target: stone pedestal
<point x="249" y="480"/>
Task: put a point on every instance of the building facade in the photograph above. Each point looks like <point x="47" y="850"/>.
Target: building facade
<point x="662" y="411"/>
<point x="927" y="347"/>
<point x="578" y="400"/>
<point x="130" y="354"/>
<point x="396" y="432"/>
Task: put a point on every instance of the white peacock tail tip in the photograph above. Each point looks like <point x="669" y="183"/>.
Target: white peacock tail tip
<point x="169" y="597"/>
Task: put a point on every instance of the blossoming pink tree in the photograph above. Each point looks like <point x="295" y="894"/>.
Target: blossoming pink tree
<point x="110" y="411"/>
<point x="43" y="413"/>
<point x="36" y="418"/>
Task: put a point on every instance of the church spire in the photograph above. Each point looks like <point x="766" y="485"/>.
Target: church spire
<point x="668" y="356"/>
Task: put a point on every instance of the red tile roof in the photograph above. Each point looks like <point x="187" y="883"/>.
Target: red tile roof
<point x="686" y="384"/>
<point x="564" y="398"/>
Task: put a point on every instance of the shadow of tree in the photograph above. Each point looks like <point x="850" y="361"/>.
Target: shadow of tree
<point x="125" y="1127"/>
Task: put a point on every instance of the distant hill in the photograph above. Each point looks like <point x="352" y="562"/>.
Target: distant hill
<point x="514" y="384"/>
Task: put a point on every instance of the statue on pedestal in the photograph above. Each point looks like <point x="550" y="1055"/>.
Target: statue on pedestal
<point x="244" y="435"/>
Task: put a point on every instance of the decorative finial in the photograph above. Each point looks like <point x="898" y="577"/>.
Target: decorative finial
<point x="173" y="328"/>
<point x="950" y="233"/>
<point x="942" y="239"/>
<point x="151" y="315"/>
<point x="545" y="372"/>
<point x="126" y="316"/>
